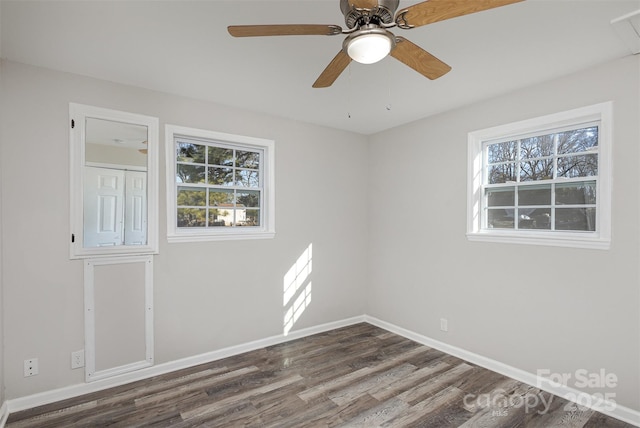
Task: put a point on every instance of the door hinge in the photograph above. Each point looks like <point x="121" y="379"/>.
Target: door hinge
<point x="73" y="238"/>
<point x="73" y="123"/>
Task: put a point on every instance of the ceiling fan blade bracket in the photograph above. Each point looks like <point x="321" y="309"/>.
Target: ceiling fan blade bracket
<point x="334" y="30"/>
<point x="401" y="20"/>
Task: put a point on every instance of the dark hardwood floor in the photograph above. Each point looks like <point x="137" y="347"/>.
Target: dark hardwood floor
<point x="357" y="376"/>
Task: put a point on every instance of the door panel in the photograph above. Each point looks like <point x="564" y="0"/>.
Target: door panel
<point x="103" y="199"/>
<point x="135" y="229"/>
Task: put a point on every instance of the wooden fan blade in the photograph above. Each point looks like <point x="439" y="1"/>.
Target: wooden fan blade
<point x="364" y="4"/>
<point x="431" y="11"/>
<point x="420" y="60"/>
<point x="284" y="30"/>
<point x="333" y="70"/>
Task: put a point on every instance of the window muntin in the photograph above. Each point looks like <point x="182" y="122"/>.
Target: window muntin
<point x="220" y="186"/>
<point x="543" y="181"/>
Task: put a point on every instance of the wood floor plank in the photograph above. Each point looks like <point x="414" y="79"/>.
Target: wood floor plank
<point x="381" y="379"/>
<point x="384" y="391"/>
<point x="340" y="414"/>
<point x="427" y="406"/>
<point x="378" y="415"/>
<point x="211" y="408"/>
<point x="55" y="415"/>
<point x="334" y="384"/>
<point x="356" y="376"/>
<point x="169" y="394"/>
<point x="435" y="384"/>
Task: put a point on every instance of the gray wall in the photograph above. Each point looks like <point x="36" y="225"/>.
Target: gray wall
<point x="384" y="243"/>
<point x="529" y="307"/>
<point x="207" y="295"/>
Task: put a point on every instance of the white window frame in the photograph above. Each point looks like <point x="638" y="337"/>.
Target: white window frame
<point x="266" y="230"/>
<point x="601" y="237"/>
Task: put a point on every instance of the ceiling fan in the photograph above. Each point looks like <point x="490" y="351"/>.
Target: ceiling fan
<point x="368" y="37"/>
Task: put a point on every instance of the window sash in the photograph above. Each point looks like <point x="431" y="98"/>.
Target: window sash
<point x="209" y="209"/>
<point x="522" y="221"/>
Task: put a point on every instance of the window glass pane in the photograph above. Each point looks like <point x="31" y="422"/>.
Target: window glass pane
<point x="502" y="152"/>
<point x="247" y="178"/>
<point x="191" y="197"/>
<point x="221" y="216"/>
<point x="220" y="156"/>
<point x="578" y="140"/>
<point x="500" y="218"/>
<point x="247" y="159"/>
<point x="189" y="174"/>
<point x="240" y="216"/>
<point x="252" y="218"/>
<point x="188" y="152"/>
<point x="534" y="195"/>
<point x="501" y="197"/>
<point x="535" y="170"/>
<point x="576" y="219"/>
<point x="501" y="173"/>
<point x="220" y="197"/>
<point x="248" y="199"/>
<point x="536" y="147"/>
<point x="191" y="217"/>
<point x="221" y="176"/>
<point x="534" y="218"/>
<point x="578" y="166"/>
<point x="576" y="193"/>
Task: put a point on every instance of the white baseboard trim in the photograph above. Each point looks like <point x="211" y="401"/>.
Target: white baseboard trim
<point x="608" y="408"/>
<point x="47" y="397"/>
<point x="4" y="414"/>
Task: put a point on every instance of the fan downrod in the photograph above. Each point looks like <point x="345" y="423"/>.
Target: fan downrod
<point x="382" y="15"/>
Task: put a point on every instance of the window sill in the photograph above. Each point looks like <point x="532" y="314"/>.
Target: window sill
<point x="235" y="236"/>
<point x="555" y="240"/>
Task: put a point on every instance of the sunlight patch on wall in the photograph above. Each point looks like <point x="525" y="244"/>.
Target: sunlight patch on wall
<point x="297" y="289"/>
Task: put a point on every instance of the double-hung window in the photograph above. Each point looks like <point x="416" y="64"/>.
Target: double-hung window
<point x="543" y="181"/>
<point x="220" y="186"/>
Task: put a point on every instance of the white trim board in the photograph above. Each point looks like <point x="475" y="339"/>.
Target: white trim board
<point x="622" y="413"/>
<point x="4" y="414"/>
<point x="48" y="397"/>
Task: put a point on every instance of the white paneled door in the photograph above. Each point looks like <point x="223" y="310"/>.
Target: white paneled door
<point x="108" y="194"/>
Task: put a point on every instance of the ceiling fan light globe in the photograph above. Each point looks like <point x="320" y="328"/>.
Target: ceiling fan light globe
<point x="369" y="48"/>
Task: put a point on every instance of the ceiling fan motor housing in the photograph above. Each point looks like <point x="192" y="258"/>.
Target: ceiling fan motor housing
<point x="356" y="17"/>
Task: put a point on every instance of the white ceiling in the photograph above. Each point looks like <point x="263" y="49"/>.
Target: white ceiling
<point x="182" y="47"/>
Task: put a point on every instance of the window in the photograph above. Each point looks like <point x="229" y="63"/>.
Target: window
<point x="543" y="181"/>
<point x="220" y="186"/>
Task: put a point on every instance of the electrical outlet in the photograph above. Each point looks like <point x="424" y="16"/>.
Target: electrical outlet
<point x="30" y="367"/>
<point x="444" y="324"/>
<point x="77" y="359"/>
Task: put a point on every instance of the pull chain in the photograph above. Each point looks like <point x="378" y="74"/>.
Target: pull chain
<point x="388" y="106"/>
<point x="349" y="94"/>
